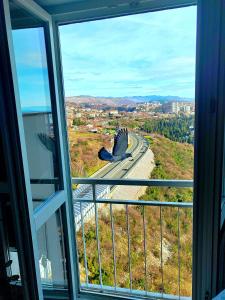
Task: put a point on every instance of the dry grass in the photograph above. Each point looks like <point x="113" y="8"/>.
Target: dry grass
<point x="175" y="160"/>
<point x="84" y="149"/>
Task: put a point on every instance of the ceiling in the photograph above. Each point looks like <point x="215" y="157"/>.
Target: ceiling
<point x="67" y="11"/>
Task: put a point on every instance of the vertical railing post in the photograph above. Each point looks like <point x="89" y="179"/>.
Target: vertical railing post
<point x="113" y="245"/>
<point x="161" y="242"/>
<point x="97" y="234"/>
<point x="128" y="239"/>
<point x="178" y="224"/>
<point x="145" y="256"/>
<point x="84" y="244"/>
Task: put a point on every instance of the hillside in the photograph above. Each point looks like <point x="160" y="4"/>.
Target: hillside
<point x="117" y="101"/>
<point x="173" y="160"/>
<point x="84" y="149"/>
<point x="178" y="129"/>
<point x="126" y="100"/>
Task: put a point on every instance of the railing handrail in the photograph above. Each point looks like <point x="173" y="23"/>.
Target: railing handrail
<point x="136" y="202"/>
<point x="135" y="182"/>
<point x="125" y="294"/>
<point x="122" y="181"/>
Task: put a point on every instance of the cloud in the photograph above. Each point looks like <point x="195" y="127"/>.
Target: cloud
<point x="150" y="52"/>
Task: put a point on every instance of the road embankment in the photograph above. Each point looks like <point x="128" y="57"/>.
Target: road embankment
<point x="142" y="170"/>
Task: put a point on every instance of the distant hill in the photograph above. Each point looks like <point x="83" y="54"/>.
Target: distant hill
<point x="159" y="98"/>
<point x="110" y="101"/>
<point x="126" y="100"/>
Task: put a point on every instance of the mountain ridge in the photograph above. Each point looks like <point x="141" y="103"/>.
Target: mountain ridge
<point x="126" y="100"/>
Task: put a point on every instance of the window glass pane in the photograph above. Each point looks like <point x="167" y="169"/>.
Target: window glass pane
<point x="35" y="100"/>
<point x="52" y="260"/>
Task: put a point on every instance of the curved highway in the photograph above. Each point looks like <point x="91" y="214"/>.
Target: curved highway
<point x="139" y="146"/>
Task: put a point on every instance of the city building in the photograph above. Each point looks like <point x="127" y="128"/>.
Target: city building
<point x="171" y="107"/>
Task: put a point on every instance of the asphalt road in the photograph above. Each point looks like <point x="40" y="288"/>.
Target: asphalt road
<point x="139" y="146"/>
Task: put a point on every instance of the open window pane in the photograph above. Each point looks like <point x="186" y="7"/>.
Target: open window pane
<point x="35" y="100"/>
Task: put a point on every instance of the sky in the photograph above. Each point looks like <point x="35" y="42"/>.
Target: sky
<point x="138" y="55"/>
<point x="31" y="67"/>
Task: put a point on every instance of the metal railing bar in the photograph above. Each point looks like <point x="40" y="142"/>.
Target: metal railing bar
<point x="128" y="241"/>
<point x="178" y="221"/>
<point x="138" y="202"/>
<point x="124" y="293"/>
<point x="161" y="244"/>
<point x="145" y="256"/>
<point x="84" y="244"/>
<point x="97" y="235"/>
<point x="113" y="244"/>
<point x="137" y="182"/>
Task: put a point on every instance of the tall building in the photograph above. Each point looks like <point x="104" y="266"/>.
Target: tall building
<point x="171" y="107"/>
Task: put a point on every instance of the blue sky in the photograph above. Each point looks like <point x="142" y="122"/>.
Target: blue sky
<point x="31" y="66"/>
<point x="144" y="54"/>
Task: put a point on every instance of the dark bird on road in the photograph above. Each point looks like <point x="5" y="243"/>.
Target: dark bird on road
<point x="119" y="148"/>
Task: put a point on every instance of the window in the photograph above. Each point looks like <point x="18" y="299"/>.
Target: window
<point x="135" y="72"/>
<point x="36" y="107"/>
<point x="102" y="223"/>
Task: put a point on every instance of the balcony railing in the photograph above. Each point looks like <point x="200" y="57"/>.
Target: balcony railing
<point x="91" y="199"/>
